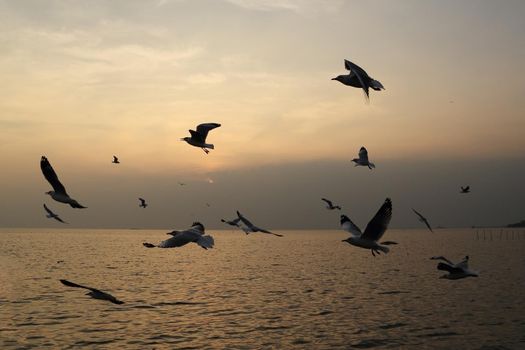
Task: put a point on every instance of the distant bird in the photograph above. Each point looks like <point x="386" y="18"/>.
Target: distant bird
<point x="423" y="219"/>
<point x="115" y="160"/>
<point x="329" y="204"/>
<point x="194" y="234"/>
<point x="363" y="159"/>
<point x="143" y="203"/>
<point x="465" y="189"/>
<point x="248" y="227"/>
<point x="373" y="231"/>
<point x="52" y="215"/>
<point x="234" y="222"/>
<point x="198" y="138"/>
<point x="182" y="184"/>
<point x="358" y="78"/>
<point x="94" y="293"/>
<point x="59" y="194"/>
<point x="455" y="271"/>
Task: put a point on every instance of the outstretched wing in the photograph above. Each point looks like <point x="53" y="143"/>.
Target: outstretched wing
<point x="245" y="221"/>
<point x="266" y="231"/>
<point x="327" y="201"/>
<point x="74" y="285"/>
<point x="349" y="226"/>
<point x="205" y="241"/>
<point x="361" y="75"/>
<point x="379" y="223"/>
<point x="48" y="210"/>
<point x="51" y="176"/>
<point x="442" y="258"/>
<point x="363" y="155"/>
<point x="203" y="129"/>
<point x="234" y="222"/>
<point x="451" y="269"/>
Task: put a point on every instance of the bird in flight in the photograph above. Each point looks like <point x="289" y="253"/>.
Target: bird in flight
<point x="455" y="271"/>
<point x="142" y="203"/>
<point x="373" y="231"/>
<point x="198" y="138"/>
<point x="115" y="160"/>
<point x="59" y="191"/>
<point x="248" y="227"/>
<point x="329" y="204"/>
<point x="465" y="189"/>
<point x="423" y="219"/>
<point x="93" y="292"/>
<point x="363" y="159"/>
<point x="195" y="233"/>
<point x="52" y="215"/>
<point x="359" y="78"/>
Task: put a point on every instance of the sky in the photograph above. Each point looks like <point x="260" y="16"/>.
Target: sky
<point x="82" y="81"/>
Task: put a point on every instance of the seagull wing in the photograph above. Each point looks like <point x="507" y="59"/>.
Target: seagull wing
<point x="451" y="269"/>
<point x="363" y="154"/>
<point x="266" y="231"/>
<point x="74" y="285"/>
<point x="203" y="129"/>
<point x="51" y="176"/>
<point x="327" y="201"/>
<point x="205" y="241"/>
<point x="142" y="201"/>
<point x="423" y="219"/>
<point x="48" y="210"/>
<point x="379" y="223"/>
<point x="350" y="227"/>
<point x="442" y="258"/>
<point x="57" y="218"/>
<point x="246" y="221"/>
<point x="361" y="75"/>
<point x="180" y="239"/>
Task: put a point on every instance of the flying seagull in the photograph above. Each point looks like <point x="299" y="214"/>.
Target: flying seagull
<point x="248" y="227"/>
<point x="198" y="138"/>
<point x="94" y="293"/>
<point x="143" y="203"/>
<point x="182" y="183"/>
<point x="465" y="189"/>
<point x="373" y="231"/>
<point x="234" y="222"/>
<point x="358" y="78"/>
<point x="52" y="215"/>
<point x="363" y="159"/>
<point x="329" y="204"/>
<point x="423" y="219"/>
<point x="194" y="234"/>
<point x="59" y="194"/>
<point x="455" y="271"/>
<point x="115" y="160"/>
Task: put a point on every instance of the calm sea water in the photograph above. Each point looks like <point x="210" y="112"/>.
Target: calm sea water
<point x="307" y="290"/>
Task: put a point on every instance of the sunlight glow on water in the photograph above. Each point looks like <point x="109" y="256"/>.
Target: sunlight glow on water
<point x="305" y="290"/>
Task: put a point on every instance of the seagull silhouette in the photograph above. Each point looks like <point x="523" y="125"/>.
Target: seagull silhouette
<point x="143" y="203"/>
<point x="359" y="78"/>
<point x="195" y="233"/>
<point x="93" y="292"/>
<point x="373" y="231"/>
<point x="198" y="138"/>
<point x="329" y="204"/>
<point x="363" y="159"/>
<point x="115" y="160"/>
<point x="52" y="215"/>
<point x="455" y="271"/>
<point x="465" y="189"/>
<point x="248" y="227"/>
<point x="423" y="219"/>
<point x="59" y="194"/>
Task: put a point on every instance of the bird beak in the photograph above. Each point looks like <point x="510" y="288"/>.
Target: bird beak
<point x="334" y="79"/>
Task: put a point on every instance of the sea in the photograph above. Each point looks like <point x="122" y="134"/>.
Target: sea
<point x="306" y="290"/>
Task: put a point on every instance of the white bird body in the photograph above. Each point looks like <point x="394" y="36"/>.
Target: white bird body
<point x="373" y="231"/>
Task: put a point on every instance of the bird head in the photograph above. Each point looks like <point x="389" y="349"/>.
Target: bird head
<point x="49" y="192"/>
<point x="344" y="219"/>
<point x="338" y="78"/>
<point x="187" y="138"/>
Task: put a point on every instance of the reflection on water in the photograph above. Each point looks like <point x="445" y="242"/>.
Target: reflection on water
<point x="307" y="290"/>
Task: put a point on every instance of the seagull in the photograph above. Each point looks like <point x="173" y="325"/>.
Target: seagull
<point x="94" y="293"/>
<point x="329" y="205"/>
<point x="248" y="227"/>
<point x="52" y="215"/>
<point x="194" y="234"/>
<point x="455" y="271"/>
<point x="465" y="189"/>
<point x="198" y="138"/>
<point x="363" y="159"/>
<point x="115" y="160"/>
<point x="59" y="194"/>
<point x="234" y="222"/>
<point x="182" y="183"/>
<point x="143" y="203"/>
<point x="373" y="231"/>
<point x="358" y="78"/>
<point x="423" y="219"/>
